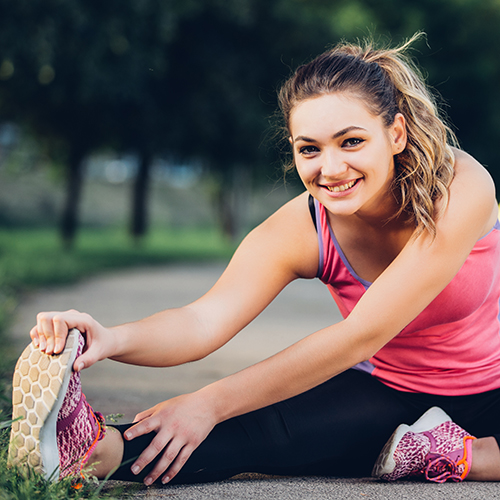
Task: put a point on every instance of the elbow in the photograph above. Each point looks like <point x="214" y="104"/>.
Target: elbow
<point x="368" y="349"/>
<point x="365" y="345"/>
<point x="355" y="340"/>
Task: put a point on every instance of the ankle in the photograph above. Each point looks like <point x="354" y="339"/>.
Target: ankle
<point x="485" y="460"/>
<point x="107" y="455"/>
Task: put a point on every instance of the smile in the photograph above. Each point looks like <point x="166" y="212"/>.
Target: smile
<point x="342" y="187"/>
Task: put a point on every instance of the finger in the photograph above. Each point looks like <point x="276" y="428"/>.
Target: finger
<point x="34" y="336"/>
<point x="145" y="426"/>
<point x="60" y="333"/>
<point x="178" y="464"/>
<point x="57" y="324"/>
<point x="169" y="456"/>
<point x="82" y="362"/>
<point x="144" y="414"/>
<point x="150" y="453"/>
<point x="88" y="358"/>
<point x="44" y="327"/>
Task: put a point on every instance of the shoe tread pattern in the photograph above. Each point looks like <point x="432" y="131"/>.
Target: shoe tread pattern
<point x="37" y="383"/>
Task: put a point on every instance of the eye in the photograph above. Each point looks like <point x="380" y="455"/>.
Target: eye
<point x="352" y="142"/>
<point x="308" y="150"/>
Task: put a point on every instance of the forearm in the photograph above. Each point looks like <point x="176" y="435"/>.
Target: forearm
<point x="168" y="338"/>
<point x="295" y="370"/>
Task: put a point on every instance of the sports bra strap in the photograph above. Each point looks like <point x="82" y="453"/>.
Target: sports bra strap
<point x="312" y="209"/>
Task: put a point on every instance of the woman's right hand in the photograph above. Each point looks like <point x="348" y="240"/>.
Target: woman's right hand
<point x="52" y="329"/>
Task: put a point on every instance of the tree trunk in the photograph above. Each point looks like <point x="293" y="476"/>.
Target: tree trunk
<point x="139" y="220"/>
<point x="232" y="200"/>
<point x="226" y="212"/>
<point x="69" y="219"/>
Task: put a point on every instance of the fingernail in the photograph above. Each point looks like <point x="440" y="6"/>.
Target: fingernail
<point x="148" y="481"/>
<point x="80" y="367"/>
<point x="128" y="435"/>
<point x="165" y="480"/>
<point x="35" y="342"/>
<point x="135" y="469"/>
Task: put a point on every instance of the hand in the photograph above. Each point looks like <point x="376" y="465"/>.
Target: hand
<point x="52" y="329"/>
<point x="181" y="424"/>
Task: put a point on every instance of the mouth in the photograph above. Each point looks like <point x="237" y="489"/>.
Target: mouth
<point x="342" y="187"/>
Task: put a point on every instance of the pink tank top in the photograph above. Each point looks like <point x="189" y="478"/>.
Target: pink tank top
<point x="453" y="347"/>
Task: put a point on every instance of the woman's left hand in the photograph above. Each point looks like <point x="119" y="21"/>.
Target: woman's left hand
<point x="181" y="424"/>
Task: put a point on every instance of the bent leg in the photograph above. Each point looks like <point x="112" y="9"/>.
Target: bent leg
<point x="485" y="460"/>
<point x="480" y="415"/>
<point x="337" y="428"/>
<point x="477" y="414"/>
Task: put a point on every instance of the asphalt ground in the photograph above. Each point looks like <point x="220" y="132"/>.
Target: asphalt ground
<point x="111" y="388"/>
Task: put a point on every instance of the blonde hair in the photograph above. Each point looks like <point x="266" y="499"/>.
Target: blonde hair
<point x="389" y="83"/>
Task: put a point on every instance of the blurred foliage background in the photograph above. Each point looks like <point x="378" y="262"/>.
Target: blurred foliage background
<point x="170" y="102"/>
<point x="158" y="116"/>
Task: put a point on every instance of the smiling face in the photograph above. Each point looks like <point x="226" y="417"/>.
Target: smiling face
<point x="345" y="155"/>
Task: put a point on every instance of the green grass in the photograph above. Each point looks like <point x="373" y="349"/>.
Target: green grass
<point x="35" y="258"/>
<point x="24" y="484"/>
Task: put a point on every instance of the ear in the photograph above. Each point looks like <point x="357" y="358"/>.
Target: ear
<point x="398" y="134"/>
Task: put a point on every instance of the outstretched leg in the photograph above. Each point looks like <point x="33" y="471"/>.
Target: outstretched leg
<point x="337" y="428"/>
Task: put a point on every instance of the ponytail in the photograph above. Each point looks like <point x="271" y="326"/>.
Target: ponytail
<point x="388" y="83"/>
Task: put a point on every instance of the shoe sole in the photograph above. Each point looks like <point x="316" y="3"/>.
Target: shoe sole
<point x="385" y="463"/>
<point x="39" y="385"/>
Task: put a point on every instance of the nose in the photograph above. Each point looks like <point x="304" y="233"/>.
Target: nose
<point x="333" y="165"/>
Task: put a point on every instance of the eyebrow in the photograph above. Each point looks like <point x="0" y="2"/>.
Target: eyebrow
<point x="338" y="134"/>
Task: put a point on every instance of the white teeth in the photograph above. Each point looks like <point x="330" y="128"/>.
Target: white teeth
<point x="343" y="187"/>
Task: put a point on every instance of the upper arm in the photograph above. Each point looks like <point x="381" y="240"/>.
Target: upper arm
<point x="280" y="250"/>
<point x="425" y="266"/>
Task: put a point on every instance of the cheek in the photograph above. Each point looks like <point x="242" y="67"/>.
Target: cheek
<point x="305" y="171"/>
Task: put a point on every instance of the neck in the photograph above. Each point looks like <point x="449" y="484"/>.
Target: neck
<point x="382" y="219"/>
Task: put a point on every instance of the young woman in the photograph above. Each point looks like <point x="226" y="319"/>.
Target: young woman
<point x="403" y="230"/>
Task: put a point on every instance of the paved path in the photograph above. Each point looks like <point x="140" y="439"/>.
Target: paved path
<point x="112" y="387"/>
<point x="117" y="298"/>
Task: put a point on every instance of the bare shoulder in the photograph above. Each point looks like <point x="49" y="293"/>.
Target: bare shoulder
<point x="468" y="169"/>
<point x="296" y="211"/>
<point x="290" y="233"/>
<point x="473" y="190"/>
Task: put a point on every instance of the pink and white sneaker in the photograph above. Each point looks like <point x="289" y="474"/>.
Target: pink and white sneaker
<point x="433" y="447"/>
<point x="57" y="429"/>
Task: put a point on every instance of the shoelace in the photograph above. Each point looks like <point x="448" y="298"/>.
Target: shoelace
<point x="443" y="467"/>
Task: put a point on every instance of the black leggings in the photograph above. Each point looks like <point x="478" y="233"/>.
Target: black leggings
<point x="335" y="429"/>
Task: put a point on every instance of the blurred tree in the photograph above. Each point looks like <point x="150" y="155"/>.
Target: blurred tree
<point x="139" y="100"/>
<point x="45" y="85"/>
<point x="196" y="79"/>
<point x="233" y="56"/>
<point x="83" y="74"/>
<point x="191" y="79"/>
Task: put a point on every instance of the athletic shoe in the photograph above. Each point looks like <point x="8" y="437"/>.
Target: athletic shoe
<point x="55" y="430"/>
<point x="433" y="447"/>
